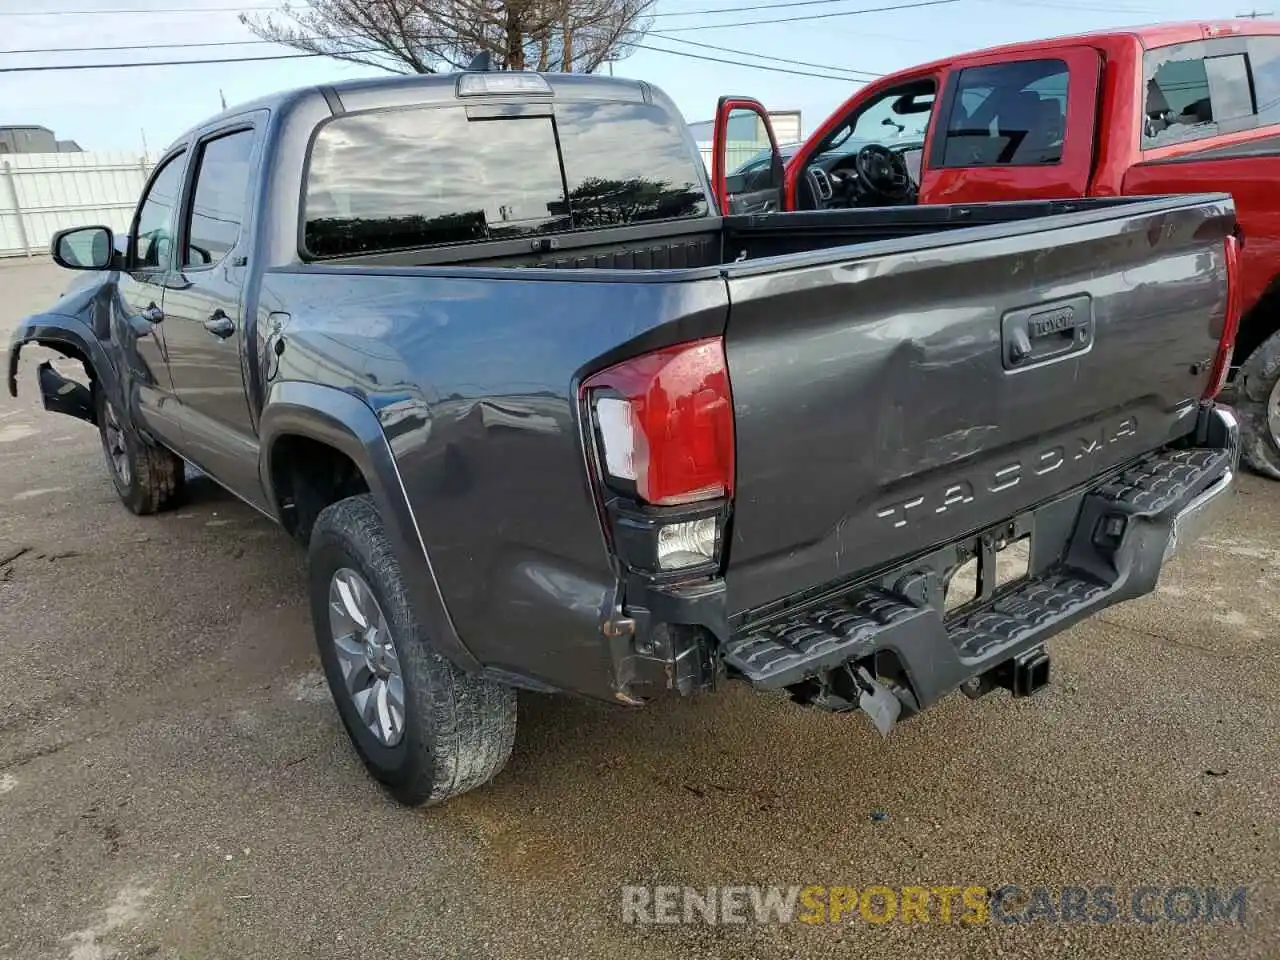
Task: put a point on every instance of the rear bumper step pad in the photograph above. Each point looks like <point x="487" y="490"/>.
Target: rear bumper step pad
<point x="939" y="655"/>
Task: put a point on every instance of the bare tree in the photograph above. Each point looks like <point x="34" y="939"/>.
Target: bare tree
<point x="426" y="36"/>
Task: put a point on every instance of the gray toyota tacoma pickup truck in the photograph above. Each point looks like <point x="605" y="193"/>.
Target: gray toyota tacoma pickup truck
<point x="547" y="419"/>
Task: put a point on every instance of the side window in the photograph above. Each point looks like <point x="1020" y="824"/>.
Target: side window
<point x="153" y="237"/>
<point x="1008" y="114"/>
<point x="1264" y="58"/>
<point x="221" y="195"/>
<point x="1189" y="95"/>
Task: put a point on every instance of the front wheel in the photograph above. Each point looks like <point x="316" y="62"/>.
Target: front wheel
<point x="425" y="729"/>
<point x="1257" y="401"/>
<point x="147" y="478"/>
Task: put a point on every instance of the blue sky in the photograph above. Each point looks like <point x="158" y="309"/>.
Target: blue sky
<point x="110" y="109"/>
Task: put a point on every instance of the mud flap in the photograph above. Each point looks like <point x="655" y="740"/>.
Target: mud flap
<point x="61" y="395"/>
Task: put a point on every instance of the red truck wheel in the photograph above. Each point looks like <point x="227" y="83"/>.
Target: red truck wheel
<point x="1257" y="400"/>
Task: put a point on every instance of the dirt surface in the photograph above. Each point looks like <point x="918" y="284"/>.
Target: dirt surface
<point x="174" y="781"/>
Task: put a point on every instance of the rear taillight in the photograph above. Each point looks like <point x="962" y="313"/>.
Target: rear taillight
<point x="1230" y="322"/>
<point x="663" y="424"/>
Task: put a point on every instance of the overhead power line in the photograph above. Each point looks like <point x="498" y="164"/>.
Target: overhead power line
<point x="113" y="11"/>
<point x="765" y="56"/>
<point x="808" y="16"/>
<point x="141" y="46"/>
<point x="661" y="34"/>
<point x="294" y="56"/>
<point x="749" y="66"/>
<point x="274" y="8"/>
<point x="50" y="67"/>
<point x="227" y="43"/>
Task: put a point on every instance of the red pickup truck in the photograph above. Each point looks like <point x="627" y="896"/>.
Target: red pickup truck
<point x="1172" y="108"/>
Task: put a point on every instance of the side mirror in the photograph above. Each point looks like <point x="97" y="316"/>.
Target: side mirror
<point x="744" y="180"/>
<point x="83" y="248"/>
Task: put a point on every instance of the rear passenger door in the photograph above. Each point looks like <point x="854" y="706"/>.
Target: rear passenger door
<point x="1014" y="128"/>
<point x="1211" y="123"/>
<point x="204" y="311"/>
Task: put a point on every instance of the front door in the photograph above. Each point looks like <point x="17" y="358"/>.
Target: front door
<point x="141" y="293"/>
<point x="746" y="167"/>
<point x="204" y="321"/>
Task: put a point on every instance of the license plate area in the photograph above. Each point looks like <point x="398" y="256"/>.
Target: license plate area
<point x="986" y="566"/>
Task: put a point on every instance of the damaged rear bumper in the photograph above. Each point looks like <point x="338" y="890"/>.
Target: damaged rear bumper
<point x="1089" y="549"/>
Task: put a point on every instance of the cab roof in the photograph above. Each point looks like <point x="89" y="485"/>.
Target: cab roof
<point x="404" y="89"/>
<point x="1149" y="35"/>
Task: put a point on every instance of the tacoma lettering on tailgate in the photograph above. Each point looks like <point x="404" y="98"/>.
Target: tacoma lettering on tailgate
<point x="958" y="494"/>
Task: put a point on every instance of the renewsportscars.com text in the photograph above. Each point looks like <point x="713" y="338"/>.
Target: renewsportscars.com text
<point x="966" y="905"/>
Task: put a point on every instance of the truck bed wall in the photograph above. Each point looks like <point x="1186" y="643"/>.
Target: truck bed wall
<point x="705" y="243"/>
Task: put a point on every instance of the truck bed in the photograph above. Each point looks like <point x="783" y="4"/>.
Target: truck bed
<point x="715" y="241"/>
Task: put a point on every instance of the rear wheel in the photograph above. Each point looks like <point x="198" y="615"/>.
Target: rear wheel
<point x="1257" y="400"/>
<point x="425" y="729"/>
<point x="147" y="478"/>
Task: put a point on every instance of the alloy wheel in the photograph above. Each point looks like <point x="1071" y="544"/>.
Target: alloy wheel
<point x="367" y="656"/>
<point x="117" y="450"/>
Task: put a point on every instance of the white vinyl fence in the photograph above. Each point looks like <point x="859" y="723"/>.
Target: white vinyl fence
<point x="41" y="193"/>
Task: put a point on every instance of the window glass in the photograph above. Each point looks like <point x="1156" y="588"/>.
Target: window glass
<point x="1008" y="113"/>
<point x="896" y="118"/>
<point x="884" y="122"/>
<point x="627" y="163"/>
<point x="152" y="243"/>
<point x="1264" y="59"/>
<point x="428" y="176"/>
<point x="1229" y="87"/>
<point x="222" y="193"/>
<point x="432" y="176"/>
<point x="1189" y="95"/>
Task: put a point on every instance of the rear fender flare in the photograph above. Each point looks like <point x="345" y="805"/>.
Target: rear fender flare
<point x="345" y="422"/>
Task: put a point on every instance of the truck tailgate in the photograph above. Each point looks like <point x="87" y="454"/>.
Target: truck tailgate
<point x="894" y="396"/>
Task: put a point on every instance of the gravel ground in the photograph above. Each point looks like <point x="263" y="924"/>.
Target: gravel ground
<point x="174" y="781"/>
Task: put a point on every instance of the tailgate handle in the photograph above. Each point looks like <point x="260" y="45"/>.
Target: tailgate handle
<point x="1048" y="331"/>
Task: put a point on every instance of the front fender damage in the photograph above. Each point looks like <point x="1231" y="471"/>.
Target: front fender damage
<point x="58" y="394"/>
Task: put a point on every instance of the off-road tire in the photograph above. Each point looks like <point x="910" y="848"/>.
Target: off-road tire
<point x="156" y="476"/>
<point x="1254" y="382"/>
<point x="459" y="728"/>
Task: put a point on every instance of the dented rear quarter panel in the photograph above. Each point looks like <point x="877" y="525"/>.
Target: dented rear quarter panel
<point x="473" y="375"/>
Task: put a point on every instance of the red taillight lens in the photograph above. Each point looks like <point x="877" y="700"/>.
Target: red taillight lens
<point x="664" y="423"/>
<point x="1230" y="323"/>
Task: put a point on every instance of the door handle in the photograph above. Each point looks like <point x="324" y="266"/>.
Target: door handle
<point x="1048" y="331"/>
<point x="220" y="325"/>
<point x="152" y="314"/>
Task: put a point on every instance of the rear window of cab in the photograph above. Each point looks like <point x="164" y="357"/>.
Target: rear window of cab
<point x="441" y="175"/>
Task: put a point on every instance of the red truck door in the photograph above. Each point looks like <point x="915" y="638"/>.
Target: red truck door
<point x="1014" y="128"/>
<point x="746" y="167"/>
